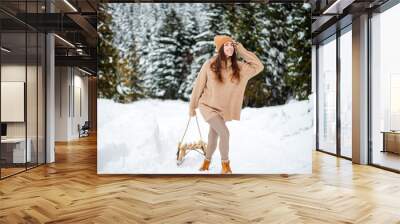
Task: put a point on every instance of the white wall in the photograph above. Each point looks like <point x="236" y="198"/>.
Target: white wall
<point x="70" y="83"/>
<point x="16" y="73"/>
<point x="79" y="117"/>
<point x="61" y="103"/>
<point x="12" y="101"/>
<point x="12" y="73"/>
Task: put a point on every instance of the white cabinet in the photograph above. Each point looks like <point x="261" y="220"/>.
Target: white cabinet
<point x="18" y="149"/>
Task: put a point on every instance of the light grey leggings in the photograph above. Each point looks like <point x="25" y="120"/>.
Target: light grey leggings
<point x="219" y="129"/>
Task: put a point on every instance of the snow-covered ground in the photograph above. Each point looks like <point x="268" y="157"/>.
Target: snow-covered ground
<point x="142" y="138"/>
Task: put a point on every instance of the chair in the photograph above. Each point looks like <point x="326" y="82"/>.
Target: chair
<point x="84" y="130"/>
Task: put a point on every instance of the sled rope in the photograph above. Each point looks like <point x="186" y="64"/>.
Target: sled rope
<point x="187" y="125"/>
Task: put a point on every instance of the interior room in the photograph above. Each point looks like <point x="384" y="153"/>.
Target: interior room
<point x="22" y="100"/>
<point x="45" y="82"/>
<point x="49" y="90"/>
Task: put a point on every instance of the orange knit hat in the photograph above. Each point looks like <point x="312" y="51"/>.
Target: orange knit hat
<point x="219" y="40"/>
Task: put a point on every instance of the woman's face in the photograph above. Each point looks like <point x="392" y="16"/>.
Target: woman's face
<point x="229" y="49"/>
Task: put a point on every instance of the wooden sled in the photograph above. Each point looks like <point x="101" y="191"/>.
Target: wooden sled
<point x="184" y="148"/>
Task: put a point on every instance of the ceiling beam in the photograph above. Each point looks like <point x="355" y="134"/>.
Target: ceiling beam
<point x="338" y="6"/>
<point x="81" y="61"/>
<point x="84" y="24"/>
<point x="320" y="23"/>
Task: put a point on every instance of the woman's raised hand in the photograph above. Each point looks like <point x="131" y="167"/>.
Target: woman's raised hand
<point x="235" y="43"/>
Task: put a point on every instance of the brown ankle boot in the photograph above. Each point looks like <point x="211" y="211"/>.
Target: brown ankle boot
<point x="226" y="169"/>
<point x="206" y="165"/>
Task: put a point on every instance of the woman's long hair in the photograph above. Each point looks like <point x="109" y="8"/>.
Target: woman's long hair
<point x="216" y="65"/>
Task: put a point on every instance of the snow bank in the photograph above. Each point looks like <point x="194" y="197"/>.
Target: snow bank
<point x="142" y="137"/>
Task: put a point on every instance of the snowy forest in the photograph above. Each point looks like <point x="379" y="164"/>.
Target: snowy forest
<point x="156" y="50"/>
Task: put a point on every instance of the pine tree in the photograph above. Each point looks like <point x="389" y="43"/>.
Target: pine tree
<point x="274" y="56"/>
<point x="215" y="25"/>
<point x="148" y="29"/>
<point x="298" y="78"/>
<point x="231" y="15"/>
<point x="130" y="88"/>
<point x="247" y="30"/>
<point x="203" y="47"/>
<point x="167" y="60"/>
<point x="190" y="56"/>
<point x="107" y="56"/>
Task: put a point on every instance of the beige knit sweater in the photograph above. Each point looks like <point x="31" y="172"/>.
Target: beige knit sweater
<point x="225" y="99"/>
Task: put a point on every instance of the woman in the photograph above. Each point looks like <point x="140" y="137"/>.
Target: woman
<point x="218" y="93"/>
